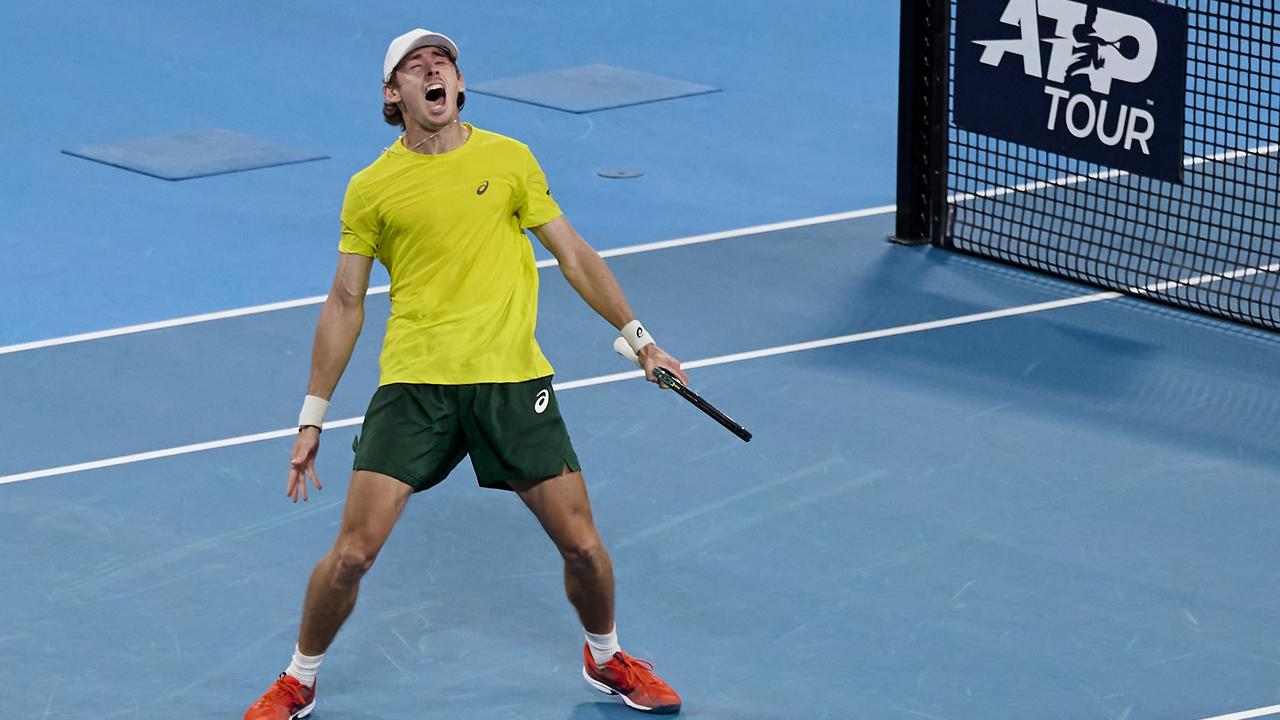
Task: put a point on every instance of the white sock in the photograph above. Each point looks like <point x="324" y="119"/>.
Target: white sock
<point x="303" y="667"/>
<point x="603" y="646"/>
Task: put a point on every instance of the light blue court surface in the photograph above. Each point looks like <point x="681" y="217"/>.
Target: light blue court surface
<point x="803" y="126"/>
<point x="1065" y="514"/>
<point x="1068" y="511"/>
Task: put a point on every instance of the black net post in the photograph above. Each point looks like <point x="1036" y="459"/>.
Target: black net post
<point x="923" y="97"/>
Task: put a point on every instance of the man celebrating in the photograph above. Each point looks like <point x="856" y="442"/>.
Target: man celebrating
<point x="445" y="209"/>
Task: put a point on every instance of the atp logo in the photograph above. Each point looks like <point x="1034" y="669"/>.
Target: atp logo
<point x="1102" y="44"/>
<point x="1104" y="81"/>
<point x="1105" y="46"/>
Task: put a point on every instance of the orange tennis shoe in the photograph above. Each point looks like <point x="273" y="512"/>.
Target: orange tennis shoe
<point x="286" y="699"/>
<point x="632" y="680"/>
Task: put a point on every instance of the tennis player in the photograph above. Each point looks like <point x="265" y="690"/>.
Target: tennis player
<point x="445" y="209"/>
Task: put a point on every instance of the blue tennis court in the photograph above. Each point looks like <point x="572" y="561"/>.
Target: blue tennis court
<point x="974" y="491"/>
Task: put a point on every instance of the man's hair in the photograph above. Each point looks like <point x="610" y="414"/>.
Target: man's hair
<point x="391" y="114"/>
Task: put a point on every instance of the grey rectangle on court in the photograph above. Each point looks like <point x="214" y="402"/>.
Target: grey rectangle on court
<point x="192" y="155"/>
<point x="590" y="88"/>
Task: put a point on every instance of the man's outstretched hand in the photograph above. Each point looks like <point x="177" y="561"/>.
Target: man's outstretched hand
<point x="302" y="463"/>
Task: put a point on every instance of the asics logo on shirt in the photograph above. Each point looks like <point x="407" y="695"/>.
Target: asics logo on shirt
<point x="483" y="187"/>
<point x="543" y="399"/>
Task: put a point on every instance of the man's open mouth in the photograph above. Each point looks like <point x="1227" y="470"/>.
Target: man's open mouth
<point x="435" y="93"/>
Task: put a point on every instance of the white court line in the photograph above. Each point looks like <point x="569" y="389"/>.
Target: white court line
<point x="170" y="452"/>
<point x="1226" y="156"/>
<point x="854" y="338"/>
<point x="586" y="382"/>
<point x="931" y="325"/>
<point x="1246" y="714"/>
<point x="705" y="362"/>
<point x="381" y="289"/>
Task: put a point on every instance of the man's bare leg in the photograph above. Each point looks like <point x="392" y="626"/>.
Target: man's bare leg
<point x="374" y="503"/>
<point x="562" y="507"/>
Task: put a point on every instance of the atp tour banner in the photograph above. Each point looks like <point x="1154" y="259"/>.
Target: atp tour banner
<point x="1102" y="81"/>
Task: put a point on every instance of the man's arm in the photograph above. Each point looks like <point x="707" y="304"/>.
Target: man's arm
<point x="336" y="334"/>
<point x="340" y="323"/>
<point x="587" y="273"/>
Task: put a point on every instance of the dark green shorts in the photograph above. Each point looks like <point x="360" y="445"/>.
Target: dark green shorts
<point x="419" y="433"/>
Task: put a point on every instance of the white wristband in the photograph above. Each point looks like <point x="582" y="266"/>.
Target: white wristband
<point x="636" y="336"/>
<point x="313" y="410"/>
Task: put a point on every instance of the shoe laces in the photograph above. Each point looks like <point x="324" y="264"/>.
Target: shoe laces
<point x="634" y="672"/>
<point x="281" y="691"/>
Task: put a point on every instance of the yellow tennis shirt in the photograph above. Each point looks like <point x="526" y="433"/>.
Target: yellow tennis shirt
<point x="450" y="230"/>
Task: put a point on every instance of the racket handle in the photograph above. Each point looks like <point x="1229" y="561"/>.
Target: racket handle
<point x="667" y="379"/>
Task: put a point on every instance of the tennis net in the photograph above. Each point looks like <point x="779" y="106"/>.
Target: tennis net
<point x="1039" y="168"/>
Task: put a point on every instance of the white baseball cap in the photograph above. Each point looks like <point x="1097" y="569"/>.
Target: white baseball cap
<point x="411" y="41"/>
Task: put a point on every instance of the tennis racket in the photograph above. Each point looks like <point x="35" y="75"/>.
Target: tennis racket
<point x="665" y="376"/>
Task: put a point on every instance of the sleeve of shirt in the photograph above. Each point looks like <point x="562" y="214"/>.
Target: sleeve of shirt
<point x="360" y="225"/>
<point x="536" y="206"/>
